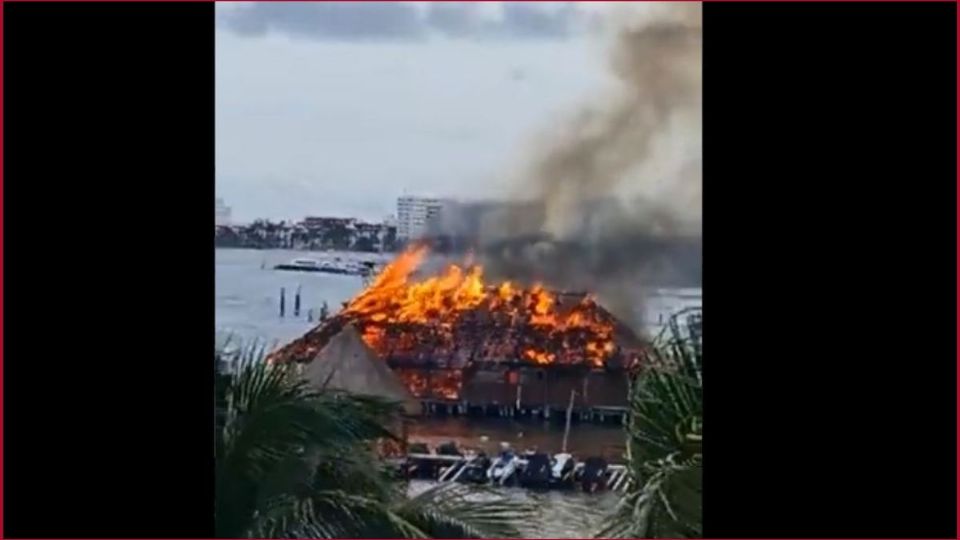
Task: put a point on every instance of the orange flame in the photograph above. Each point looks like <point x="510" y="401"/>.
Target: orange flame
<point x="438" y="311"/>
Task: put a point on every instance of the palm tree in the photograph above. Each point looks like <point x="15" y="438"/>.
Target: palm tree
<point x="292" y="462"/>
<point x="664" y="439"/>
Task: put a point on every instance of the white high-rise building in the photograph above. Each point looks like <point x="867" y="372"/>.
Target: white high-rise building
<point x="221" y="213"/>
<point x="414" y="215"/>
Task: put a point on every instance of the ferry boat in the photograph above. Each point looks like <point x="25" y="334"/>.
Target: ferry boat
<point x="313" y="265"/>
<point x="335" y="266"/>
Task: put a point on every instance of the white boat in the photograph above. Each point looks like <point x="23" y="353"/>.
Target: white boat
<point x="326" y="266"/>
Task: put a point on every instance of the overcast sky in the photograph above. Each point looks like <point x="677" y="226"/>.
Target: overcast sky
<point x="339" y="108"/>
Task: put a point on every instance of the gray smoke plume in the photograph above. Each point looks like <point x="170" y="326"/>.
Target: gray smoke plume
<point x="616" y="191"/>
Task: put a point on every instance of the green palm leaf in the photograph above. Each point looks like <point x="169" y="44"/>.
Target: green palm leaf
<point x="664" y="440"/>
<point x="460" y="511"/>
<point x="293" y="462"/>
<point x="272" y="431"/>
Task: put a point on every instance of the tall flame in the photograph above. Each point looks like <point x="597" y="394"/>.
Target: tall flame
<point x="443" y="306"/>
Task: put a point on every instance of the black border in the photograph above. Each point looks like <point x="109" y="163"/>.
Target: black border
<point x="829" y="147"/>
<point x="830" y="243"/>
<point x="108" y="281"/>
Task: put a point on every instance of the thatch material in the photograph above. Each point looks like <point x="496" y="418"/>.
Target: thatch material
<point x="478" y="335"/>
<point x="346" y="363"/>
<point x="413" y="361"/>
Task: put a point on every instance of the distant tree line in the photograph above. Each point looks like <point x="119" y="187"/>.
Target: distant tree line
<point x="310" y="234"/>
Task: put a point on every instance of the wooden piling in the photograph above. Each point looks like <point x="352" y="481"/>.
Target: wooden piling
<point x="296" y="303"/>
<point x="566" y="430"/>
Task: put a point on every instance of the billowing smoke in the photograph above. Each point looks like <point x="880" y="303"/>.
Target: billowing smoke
<point x="616" y="190"/>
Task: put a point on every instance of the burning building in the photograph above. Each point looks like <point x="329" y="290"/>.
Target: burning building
<point x="454" y="339"/>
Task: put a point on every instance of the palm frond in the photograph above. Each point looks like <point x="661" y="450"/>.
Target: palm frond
<point x="326" y="514"/>
<point x="271" y="429"/>
<point x="461" y="511"/>
<point x="296" y="462"/>
<point x="664" y="439"/>
<point x="667" y="505"/>
<point x="356" y="470"/>
<point x="666" y="399"/>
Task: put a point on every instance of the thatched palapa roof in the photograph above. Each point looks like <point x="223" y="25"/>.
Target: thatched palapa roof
<point x="346" y="363"/>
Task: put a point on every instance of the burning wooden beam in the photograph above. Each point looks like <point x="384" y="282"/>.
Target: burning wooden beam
<point x="438" y="332"/>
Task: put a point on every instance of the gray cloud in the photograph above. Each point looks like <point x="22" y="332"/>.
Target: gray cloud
<point x="353" y="21"/>
<point x="526" y="20"/>
<point x="393" y="21"/>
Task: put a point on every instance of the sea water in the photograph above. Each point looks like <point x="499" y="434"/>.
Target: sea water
<point x="247" y="304"/>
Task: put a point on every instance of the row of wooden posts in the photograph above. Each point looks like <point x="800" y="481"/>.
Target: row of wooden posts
<point x="600" y="415"/>
<point x="324" y="310"/>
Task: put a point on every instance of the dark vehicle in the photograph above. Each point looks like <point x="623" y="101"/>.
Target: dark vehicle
<point x="418" y="448"/>
<point x="448" y="449"/>
<point x="475" y="472"/>
<point x="537" y="473"/>
<point x="594" y="471"/>
<point x="417" y="468"/>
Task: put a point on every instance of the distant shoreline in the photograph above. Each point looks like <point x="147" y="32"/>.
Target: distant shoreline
<point x="676" y="285"/>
